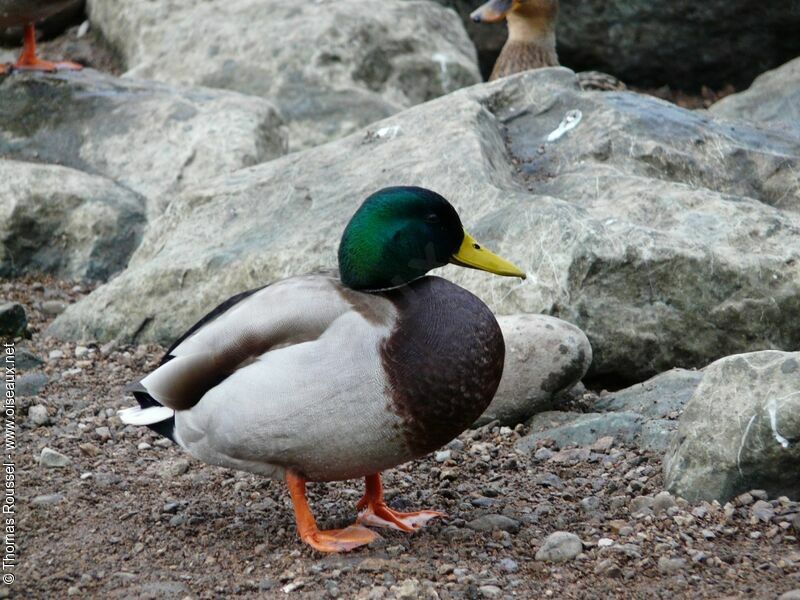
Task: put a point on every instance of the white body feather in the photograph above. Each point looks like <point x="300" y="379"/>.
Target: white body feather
<point x="315" y="400"/>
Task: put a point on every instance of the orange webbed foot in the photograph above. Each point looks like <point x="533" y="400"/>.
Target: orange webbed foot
<point x="383" y="516"/>
<point x="339" y="540"/>
<point x="332" y="540"/>
<point x="36" y="64"/>
<point x="28" y="61"/>
<point x="374" y="512"/>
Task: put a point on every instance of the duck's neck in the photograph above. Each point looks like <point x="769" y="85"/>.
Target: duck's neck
<point x="530" y="45"/>
<point x="536" y="31"/>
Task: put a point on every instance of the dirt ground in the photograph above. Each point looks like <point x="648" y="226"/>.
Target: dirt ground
<point x="133" y="517"/>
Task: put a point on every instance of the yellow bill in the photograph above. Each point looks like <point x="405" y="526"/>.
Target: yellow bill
<point x="471" y="254"/>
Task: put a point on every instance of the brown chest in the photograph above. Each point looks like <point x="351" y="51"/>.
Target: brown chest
<point x="444" y="361"/>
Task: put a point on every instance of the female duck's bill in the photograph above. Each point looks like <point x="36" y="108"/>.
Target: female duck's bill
<point x="493" y="11"/>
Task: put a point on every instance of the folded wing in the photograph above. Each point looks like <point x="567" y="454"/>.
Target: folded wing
<point x="288" y="312"/>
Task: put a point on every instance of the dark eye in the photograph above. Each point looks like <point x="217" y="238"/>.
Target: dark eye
<point x="432" y="218"/>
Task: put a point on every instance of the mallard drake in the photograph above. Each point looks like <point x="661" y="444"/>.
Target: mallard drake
<point x="25" y="13"/>
<point x="336" y="376"/>
<point x="531" y="42"/>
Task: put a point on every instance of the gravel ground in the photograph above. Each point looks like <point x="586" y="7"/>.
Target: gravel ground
<point x="132" y="517"/>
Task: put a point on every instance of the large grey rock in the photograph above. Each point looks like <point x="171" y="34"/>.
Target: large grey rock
<point x="657" y="43"/>
<point x="580" y="429"/>
<point x="773" y="99"/>
<point x="663" y="395"/>
<point x="633" y="417"/>
<point x="657" y="434"/>
<point x="669" y="238"/>
<point x="544" y="356"/>
<point x="64" y="222"/>
<point x="740" y="431"/>
<point x="152" y="138"/>
<point x="637" y="414"/>
<point x="331" y="67"/>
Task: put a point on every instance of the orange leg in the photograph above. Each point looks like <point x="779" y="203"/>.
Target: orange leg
<point x="28" y="61"/>
<point x="332" y="540"/>
<point x="374" y="512"/>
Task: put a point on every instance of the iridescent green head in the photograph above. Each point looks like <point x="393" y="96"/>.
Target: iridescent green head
<point x="400" y="233"/>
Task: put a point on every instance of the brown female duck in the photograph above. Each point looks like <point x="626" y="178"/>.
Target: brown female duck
<point x="531" y="42"/>
<point x="25" y="13"/>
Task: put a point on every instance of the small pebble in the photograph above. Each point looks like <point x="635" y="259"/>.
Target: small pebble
<point x="662" y="502"/>
<point x="560" y="546"/>
<point x="509" y="565"/>
<point x="175" y="469"/>
<point x="53" y="307"/>
<point x="761" y="511"/>
<point x="641" y="505"/>
<point x="49" y="458"/>
<point x="492" y="522"/>
<point x="608" y="568"/>
<point x="671" y="565"/>
<point x="47" y="499"/>
<point x="591" y="504"/>
<point x="37" y="414"/>
<point x="442" y="455"/>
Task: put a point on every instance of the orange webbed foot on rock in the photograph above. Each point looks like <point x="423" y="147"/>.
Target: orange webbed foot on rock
<point x="28" y="61"/>
<point x="332" y="540"/>
<point x="374" y="512"/>
<point x="47" y="66"/>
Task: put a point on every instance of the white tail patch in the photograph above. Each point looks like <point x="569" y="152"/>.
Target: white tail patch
<point x="145" y="416"/>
